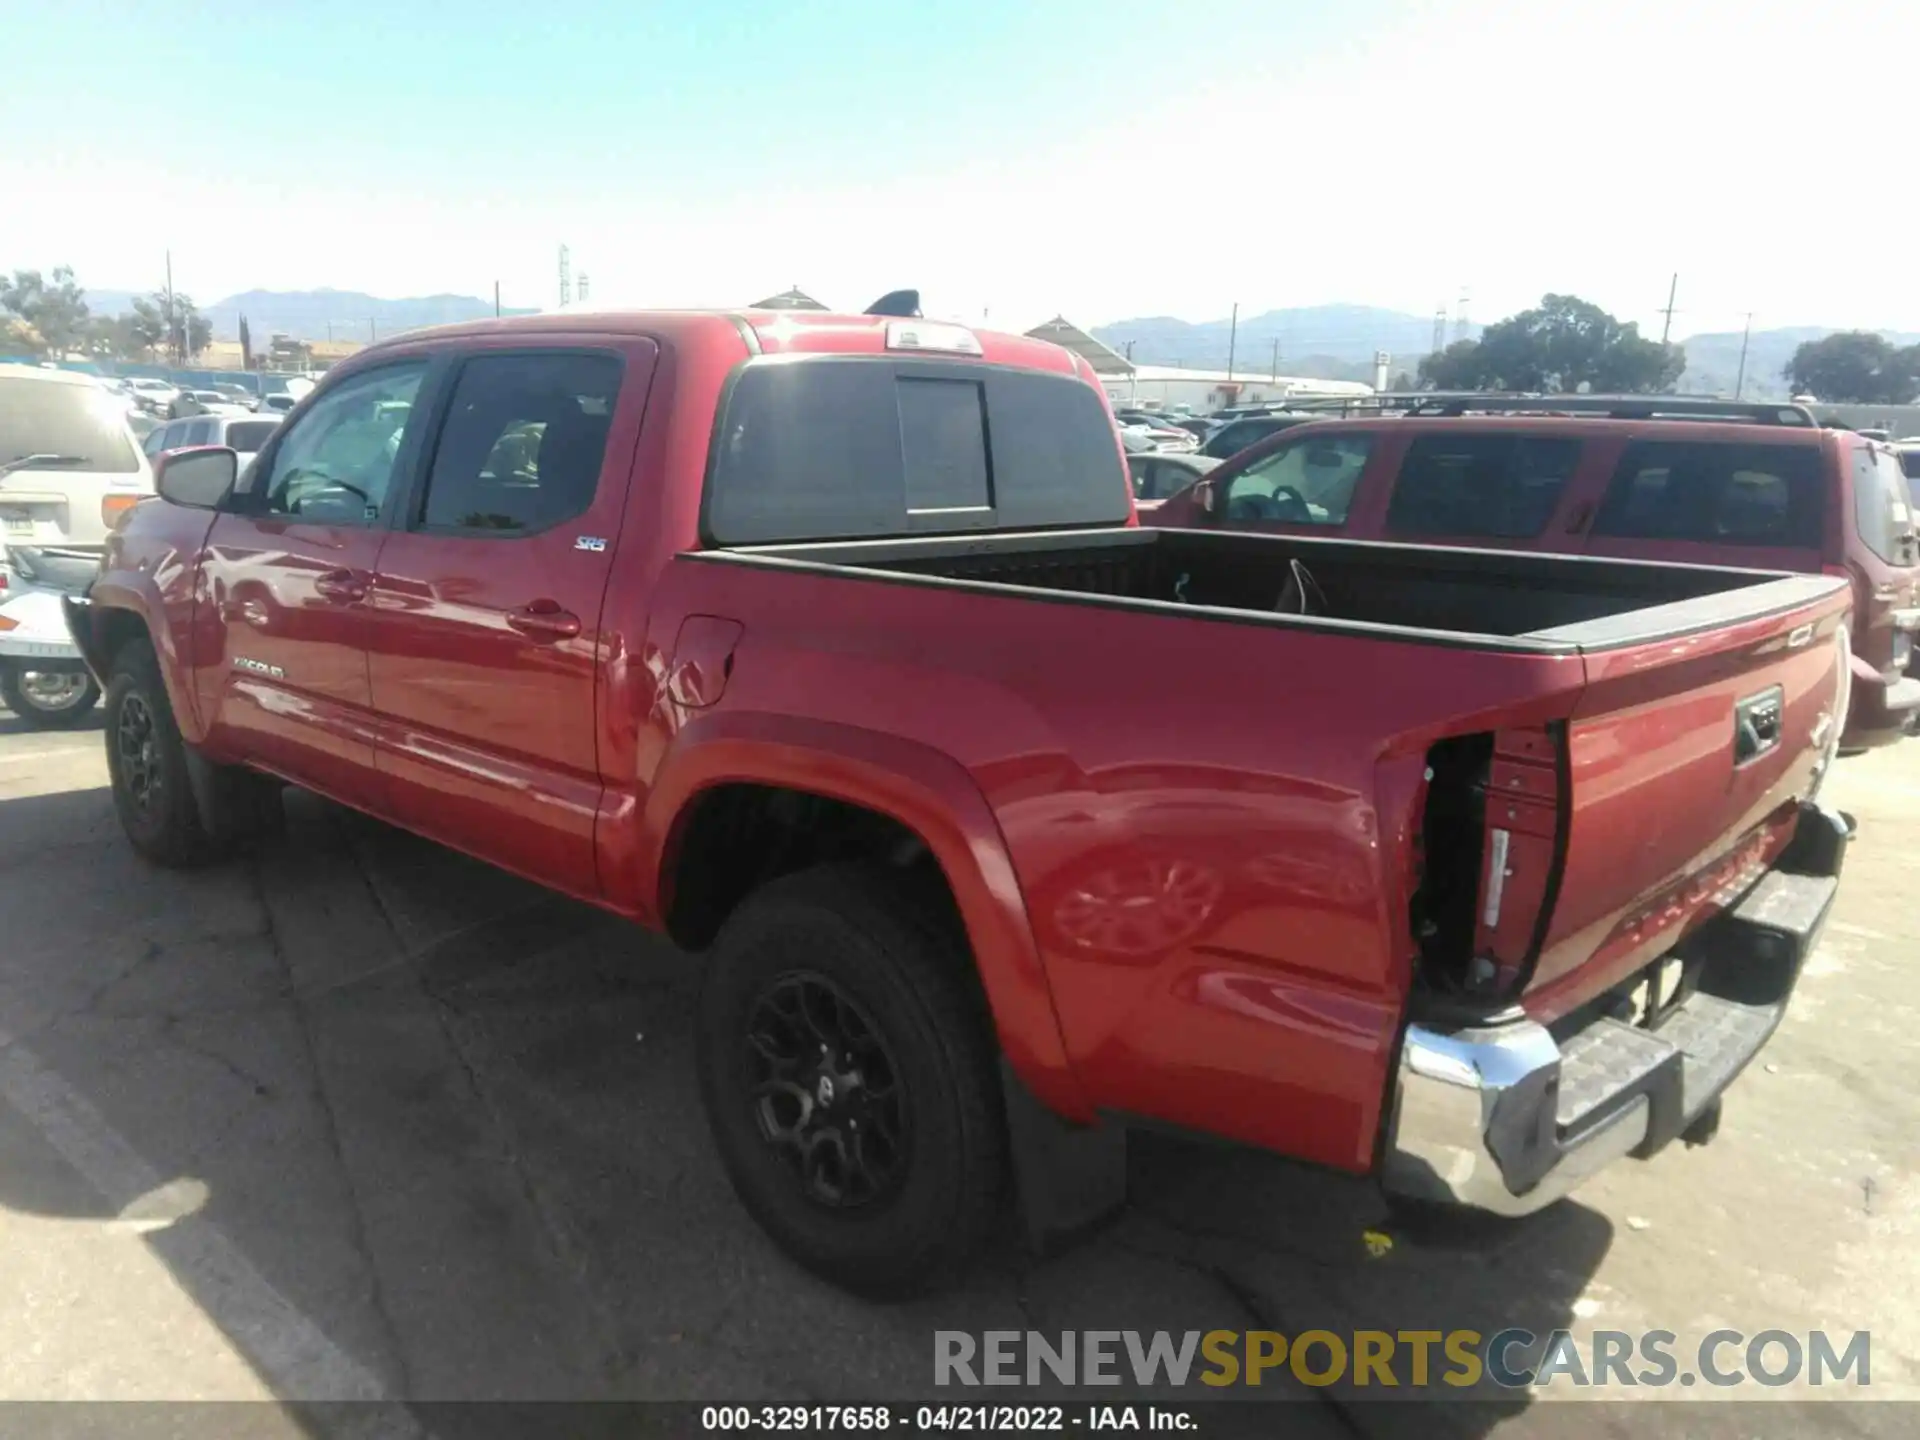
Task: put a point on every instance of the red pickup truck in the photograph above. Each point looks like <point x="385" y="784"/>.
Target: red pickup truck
<point x="828" y="645"/>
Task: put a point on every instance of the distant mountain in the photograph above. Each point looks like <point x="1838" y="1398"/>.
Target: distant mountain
<point x="1713" y="361"/>
<point x="319" y="314"/>
<point x="1332" y="342"/>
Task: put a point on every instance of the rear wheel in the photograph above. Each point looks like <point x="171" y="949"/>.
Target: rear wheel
<point x="165" y="815"/>
<point x="848" y="1073"/>
<point x="53" y="697"/>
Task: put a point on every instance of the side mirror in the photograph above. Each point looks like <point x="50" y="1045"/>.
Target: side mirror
<point x="1206" y="495"/>
<point x="198" y="478"/>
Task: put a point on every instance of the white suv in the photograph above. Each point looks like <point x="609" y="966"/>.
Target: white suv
<point x="69" y="465"/>
<point x="69" y="468"/>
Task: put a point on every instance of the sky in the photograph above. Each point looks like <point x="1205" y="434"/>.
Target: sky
<point x="1011" y="160"/>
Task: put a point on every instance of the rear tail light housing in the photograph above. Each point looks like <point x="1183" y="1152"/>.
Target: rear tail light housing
<point x="1490" y="838"/>
<point x="112" y="507"/>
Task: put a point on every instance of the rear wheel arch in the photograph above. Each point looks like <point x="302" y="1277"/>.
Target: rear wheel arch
<point x="883" y="798"/>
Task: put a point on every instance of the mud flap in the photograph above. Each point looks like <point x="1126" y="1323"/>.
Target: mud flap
<point x="1069" y="1177"/>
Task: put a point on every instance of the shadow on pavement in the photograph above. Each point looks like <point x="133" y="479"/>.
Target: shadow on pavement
<point x="405" y="1126"/>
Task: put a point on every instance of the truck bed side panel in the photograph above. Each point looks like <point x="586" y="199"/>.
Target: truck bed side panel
<point x="1190" y="807"/>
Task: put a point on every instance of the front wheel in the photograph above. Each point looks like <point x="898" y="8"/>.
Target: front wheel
<point x="849" y="1077"/>
<point x="167" y="817"/>
<point x="55" y="697"/>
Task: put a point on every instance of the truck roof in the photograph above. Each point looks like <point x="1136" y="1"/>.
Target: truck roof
<point x="772" y="332"/>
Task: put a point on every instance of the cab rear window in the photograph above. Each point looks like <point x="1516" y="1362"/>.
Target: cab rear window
<point x="1760" y="495"/>
<point x="837" y="447"/>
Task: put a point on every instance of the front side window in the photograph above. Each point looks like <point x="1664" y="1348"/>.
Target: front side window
<point x="1768" y="495"/>
<point x="1310" y="482"/>
<point x="523" y="442"/>
<point x="336" y="464"/>
<point x="1493" y="486"/>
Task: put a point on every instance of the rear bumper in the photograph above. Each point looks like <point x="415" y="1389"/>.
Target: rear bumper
<point x="1508" y="1116"/>
<point x="39" y="628"/>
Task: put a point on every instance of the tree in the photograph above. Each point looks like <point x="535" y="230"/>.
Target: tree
<point x="181" y="327"/>
<point x="1563" y="345"/>
<point x="1855" y="367"/>
<point x="56" y="311"/>
<point x="1458" y="367"/>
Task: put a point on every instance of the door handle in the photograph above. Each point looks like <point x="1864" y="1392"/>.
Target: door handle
<point x="544" y="620"/>
<point x="343" y="587"/>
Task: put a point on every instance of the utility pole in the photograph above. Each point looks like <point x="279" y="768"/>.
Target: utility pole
<point x="1746" y="334"/>
<point x="1233" y="336"/>
<point x="1672" y="290"/>
<point x="329" y="332"/>
<point x="372" y="335"/>
<point x="1274" y="373"/>
<point x="496" y="299"/>
<point x="173" y="342"/>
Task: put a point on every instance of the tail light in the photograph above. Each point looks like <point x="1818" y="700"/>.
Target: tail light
<point x="112" y="507"/>
<point x="1495" y="804"/>
<point x="8" y="624"/>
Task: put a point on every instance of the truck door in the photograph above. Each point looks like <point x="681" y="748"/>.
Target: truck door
<point x="486" y="649"/>
<point x="285" y="579"/>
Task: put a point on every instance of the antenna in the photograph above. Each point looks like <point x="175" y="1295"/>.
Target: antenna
<point x="1460" y="318"/>
<point x="566" y="278"/>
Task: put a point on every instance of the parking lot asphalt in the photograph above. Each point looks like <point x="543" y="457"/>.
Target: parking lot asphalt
<point x="356" y="1117"/>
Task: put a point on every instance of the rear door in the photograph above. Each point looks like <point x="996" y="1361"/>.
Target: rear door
<point x="486" y="649"/>
<point x="280" y="652"/>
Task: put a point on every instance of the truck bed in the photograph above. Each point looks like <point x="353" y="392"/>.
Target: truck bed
<point x="1497" y="599"/>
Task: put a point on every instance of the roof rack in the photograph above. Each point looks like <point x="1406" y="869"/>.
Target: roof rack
<point x="1616" y="407"/>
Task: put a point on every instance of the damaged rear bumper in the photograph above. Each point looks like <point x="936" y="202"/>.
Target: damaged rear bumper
<point x="1508" y="1116"/>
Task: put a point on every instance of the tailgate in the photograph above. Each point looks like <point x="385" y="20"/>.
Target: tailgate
<point x="1682" y="768"/>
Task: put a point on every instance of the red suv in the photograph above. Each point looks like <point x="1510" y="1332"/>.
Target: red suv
<point x="1762" y="487"/>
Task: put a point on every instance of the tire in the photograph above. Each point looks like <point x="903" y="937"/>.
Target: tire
<point x="153" y="775"/>
<point x="19" y="695"/>
<point x="902" y="976"/>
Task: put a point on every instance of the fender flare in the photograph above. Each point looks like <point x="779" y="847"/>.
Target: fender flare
<point x="923" y="789"/>
<point x="118" y="593"/>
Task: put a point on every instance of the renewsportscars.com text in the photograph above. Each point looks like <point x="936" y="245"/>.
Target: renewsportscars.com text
<point x="1411" y="1359"/>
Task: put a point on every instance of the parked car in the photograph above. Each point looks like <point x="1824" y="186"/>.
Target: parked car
<point x="1160" y="474"/>
<point x="280" y="402"/>
<point x="203" y="402"/>
<point x="151" y="394"/>
<point x="1700" y="482"/>
<point x="243" y="433"/>
<point x="1156" y="431"/>
<point x="1236" y="435"/>
<point x="826" y="644"/>
<point x="69" y="468"/>
<point x="239" y="395"/>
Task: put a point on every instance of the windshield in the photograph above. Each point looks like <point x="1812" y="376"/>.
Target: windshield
<point x="80" y="423"/>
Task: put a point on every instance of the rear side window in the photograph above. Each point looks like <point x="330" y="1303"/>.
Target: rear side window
<point x="835" y="447"/>
<point x="1716" y="494"/>
<point x="1495" y="486"/>
<point x="523" y="442"/>
<point x="1882" y="509"/>
<point x="247" y="436"/>
<point x="81" y="424"/>
<point x="1910" y="462"/>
